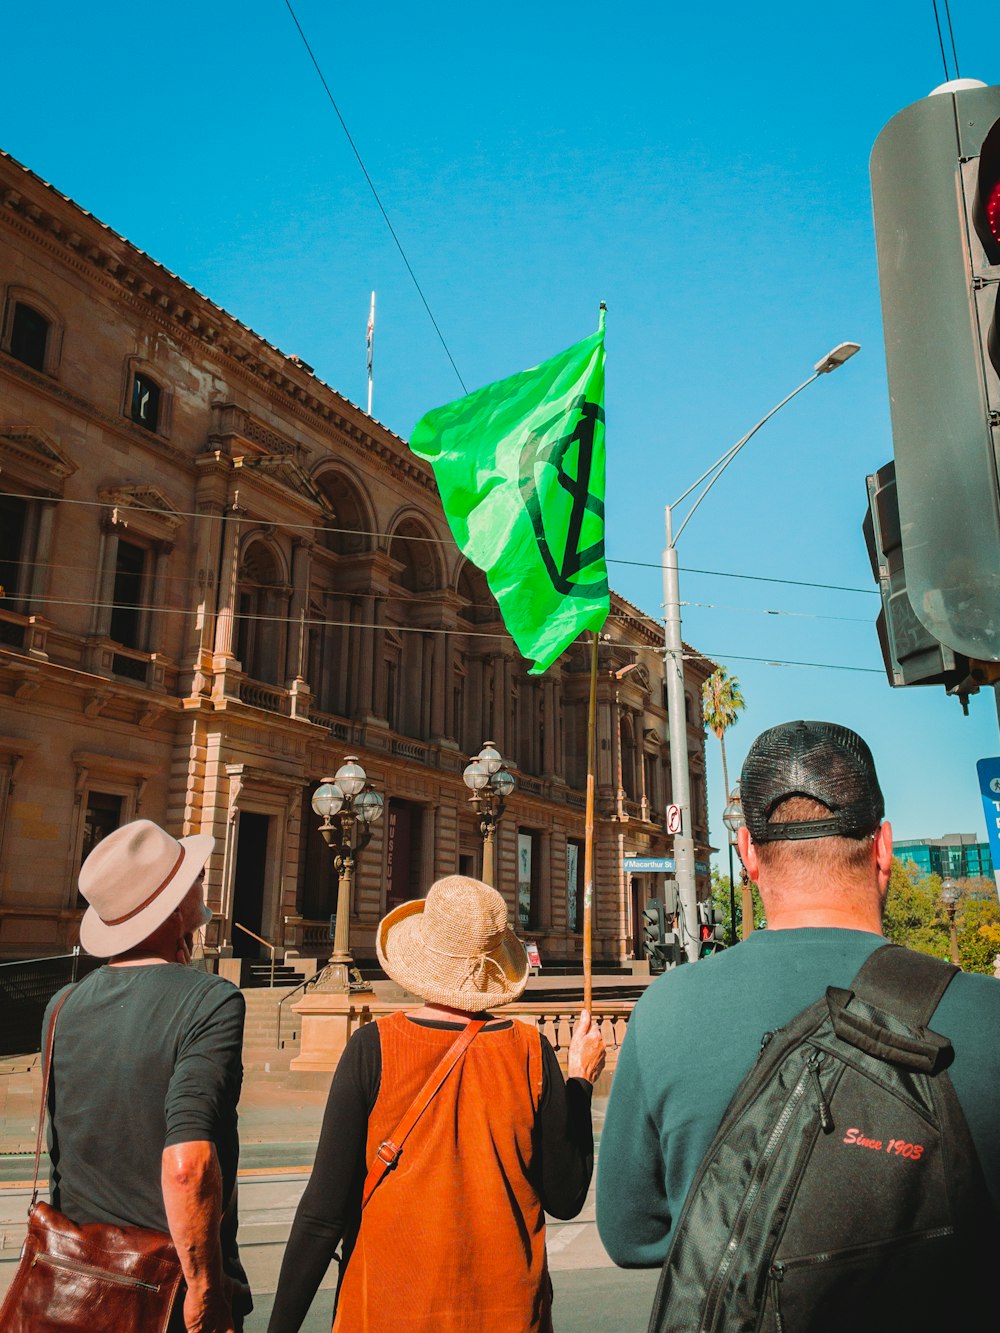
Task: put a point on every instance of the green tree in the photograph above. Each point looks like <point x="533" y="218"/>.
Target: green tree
<point x="720" y="900"/>
<point x="979" y="935"/>
<point x="721" y="705"/>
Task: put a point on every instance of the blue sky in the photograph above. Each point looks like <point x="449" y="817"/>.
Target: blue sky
<point x="703" y="169"/>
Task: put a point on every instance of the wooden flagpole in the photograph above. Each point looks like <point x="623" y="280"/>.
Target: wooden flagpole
<point x="588" y="845"/>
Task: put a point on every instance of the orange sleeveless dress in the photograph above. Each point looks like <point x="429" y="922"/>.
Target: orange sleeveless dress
<point x="453" y="1239"/>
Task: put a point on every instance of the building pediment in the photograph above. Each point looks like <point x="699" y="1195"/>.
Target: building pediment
<point x="34" y="460"/>
<point x="144" y="508"/>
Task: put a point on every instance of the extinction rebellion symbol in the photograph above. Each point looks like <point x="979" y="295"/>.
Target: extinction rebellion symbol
<point x="565" y="523"/>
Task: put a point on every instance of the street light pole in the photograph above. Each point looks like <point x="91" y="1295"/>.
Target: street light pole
<point x="490" y="782"/>
<point x="673" y="660"/>
<point x="733" y="819"/>
<point x="349" y="799"/>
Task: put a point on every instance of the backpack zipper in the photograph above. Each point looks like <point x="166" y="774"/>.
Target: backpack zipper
<point x="822" y="1106"/>
<point x="750" y="1198"/>
<point x="850" y="1252"/>
<point x="74" y="1266"/>
<point x="775" y="1275"/>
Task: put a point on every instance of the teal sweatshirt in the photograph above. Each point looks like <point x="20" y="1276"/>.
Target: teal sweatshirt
<point x="695" y="1034"/>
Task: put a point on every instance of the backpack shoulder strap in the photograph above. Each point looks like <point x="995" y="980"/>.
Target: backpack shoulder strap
<point x="905" y="984"/>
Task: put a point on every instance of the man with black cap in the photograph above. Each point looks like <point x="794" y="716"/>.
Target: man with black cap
<point x="816" y="844"/>
<point x="147" y="1068"/>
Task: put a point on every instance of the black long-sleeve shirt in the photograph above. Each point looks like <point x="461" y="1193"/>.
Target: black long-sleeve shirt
<point x="330" y="1208"/>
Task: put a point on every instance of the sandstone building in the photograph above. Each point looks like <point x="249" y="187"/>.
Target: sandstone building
<point x="219" y="577"/>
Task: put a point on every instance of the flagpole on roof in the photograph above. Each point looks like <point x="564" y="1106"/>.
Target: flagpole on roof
<point x="370" y="341"/>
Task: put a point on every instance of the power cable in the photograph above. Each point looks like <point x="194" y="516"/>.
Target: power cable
<point x="951" y="34"/>
<point x="313" y="622"/>
<point x="375" y="194"/>
<point x="234" y="515"/>
<point x="937" y="22"/>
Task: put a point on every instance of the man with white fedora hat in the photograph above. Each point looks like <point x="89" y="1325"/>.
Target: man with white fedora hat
<point x="147" y="1068"/>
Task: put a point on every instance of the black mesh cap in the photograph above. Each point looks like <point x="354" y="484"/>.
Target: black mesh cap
<point x="821" y="760"/>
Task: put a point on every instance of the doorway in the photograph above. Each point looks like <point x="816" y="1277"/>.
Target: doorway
<point x="248" y="886"/>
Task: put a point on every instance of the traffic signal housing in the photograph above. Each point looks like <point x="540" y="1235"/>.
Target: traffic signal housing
<point x="654" y="932"/>
<point x="935" y="173"/>
<point x="912" y="655"/>
<point x="711" y="932"/>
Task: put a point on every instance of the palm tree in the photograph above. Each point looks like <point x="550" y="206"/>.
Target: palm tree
<point x="721" y="705"/>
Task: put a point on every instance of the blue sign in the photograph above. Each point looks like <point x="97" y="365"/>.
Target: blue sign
<point x="647" y="865"/>
<point x="989" y="787"/>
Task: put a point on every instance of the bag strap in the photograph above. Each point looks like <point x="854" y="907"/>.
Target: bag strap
<point x="390" y="1148"/>
<point x="905" y="984"/>
<point x="46" y="1071"/>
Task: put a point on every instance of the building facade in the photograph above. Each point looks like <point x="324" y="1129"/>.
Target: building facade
<point x="957" y="855"/>
<point x="219" y="578"/>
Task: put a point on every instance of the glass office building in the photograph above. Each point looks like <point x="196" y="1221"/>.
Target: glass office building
<point x="956" y="854"/>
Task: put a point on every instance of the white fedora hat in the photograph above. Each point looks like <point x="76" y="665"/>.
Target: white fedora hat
<point x="454" y="947"/>
<point x="133" y="879"/>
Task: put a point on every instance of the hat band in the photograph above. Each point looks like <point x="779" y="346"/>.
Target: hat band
<point x="119" y="920"/>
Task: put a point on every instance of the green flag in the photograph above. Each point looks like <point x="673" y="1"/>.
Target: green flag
<point x="520" y="468"/>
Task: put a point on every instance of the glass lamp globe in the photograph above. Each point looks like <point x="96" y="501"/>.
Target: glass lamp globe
<point x="502" y="783"/>
<point x="327" y="799"/>
<point x="475" y="775"/>
<point x="369" y="806"/>
<point x="490" y="758"/>
<point x="351" y="777"/>
<point x="949" y="891"/>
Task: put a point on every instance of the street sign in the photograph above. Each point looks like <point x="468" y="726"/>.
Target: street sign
<point x="673" y="819"/>
<point x="647" y="865"/>
<point x="989" y="787"/>
<point x="534" y="957"/>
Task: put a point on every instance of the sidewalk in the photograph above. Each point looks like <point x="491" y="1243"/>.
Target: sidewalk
<point x="280" y="1117"/>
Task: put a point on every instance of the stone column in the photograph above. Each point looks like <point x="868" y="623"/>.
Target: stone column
<point x="157" y="591"/>
<point x="225" y="622"/>
<point x="107" y="560"/>
<point x="295" y="646"/>
<point x="43" y="551"/>
<point x="549" y="727"/>
<point x="440" y="681"/>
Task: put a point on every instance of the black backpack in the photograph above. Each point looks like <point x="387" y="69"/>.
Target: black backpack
<point x="842" y="1192"/>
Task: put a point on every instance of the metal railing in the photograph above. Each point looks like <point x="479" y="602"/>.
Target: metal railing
<point x="260" y="940"/>
<point x="26" y="987"/>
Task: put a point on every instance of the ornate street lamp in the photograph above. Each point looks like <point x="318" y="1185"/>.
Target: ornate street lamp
<point x="490" y="783"/>
<point x="950" y="896"/>
<point x="348" y="806"/>
<point x="733" y="819"/>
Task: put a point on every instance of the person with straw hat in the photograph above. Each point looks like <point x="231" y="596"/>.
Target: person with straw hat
<point x="146" y="1071"/>
<point x="449" y="1133"/>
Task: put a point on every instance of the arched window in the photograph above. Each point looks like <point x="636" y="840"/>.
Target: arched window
<point x="32" y="330"/>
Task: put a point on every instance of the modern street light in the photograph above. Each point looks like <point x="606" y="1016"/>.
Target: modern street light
<point x="490" y="783"/>
<point x="348" y="806"/>
<point x="950" y="896"/>
<point x="674" y="657"/>
<point x="733" y="819"/>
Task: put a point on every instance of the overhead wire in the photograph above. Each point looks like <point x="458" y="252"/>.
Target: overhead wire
<point x="375" y="194"/>
<point x="234" y="515"/>
<point x="314" y="622"/>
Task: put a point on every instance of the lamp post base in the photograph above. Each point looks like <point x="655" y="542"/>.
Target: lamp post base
<point x="341" y="977"/>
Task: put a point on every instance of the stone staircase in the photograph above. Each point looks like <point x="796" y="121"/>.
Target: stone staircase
<point x="261" y="1052"/>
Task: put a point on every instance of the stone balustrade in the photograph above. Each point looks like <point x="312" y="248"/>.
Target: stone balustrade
<point x="329" y="1019"/>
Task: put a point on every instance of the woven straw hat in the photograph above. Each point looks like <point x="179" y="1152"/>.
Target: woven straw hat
<point x="133" y="879"/>
<point x="454" y="947"/>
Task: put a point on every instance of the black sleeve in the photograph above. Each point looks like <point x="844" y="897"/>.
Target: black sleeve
<point x="208" y="1072"/>
<point x="565" y="1143"/>
<point x="331" y="1202"/>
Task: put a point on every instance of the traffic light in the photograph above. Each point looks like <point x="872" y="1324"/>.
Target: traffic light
<point x="711" y="931"/>
<point x="912" y="656"/>
<point x="935" y="173"/>
<point x="654" y="934"/>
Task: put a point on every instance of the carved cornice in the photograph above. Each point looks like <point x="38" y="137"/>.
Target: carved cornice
<point x="32" y="457"/>
<point x="147" y="508"/>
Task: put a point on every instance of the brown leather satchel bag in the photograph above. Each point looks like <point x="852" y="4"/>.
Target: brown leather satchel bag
<point x="95" y="1278"/>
